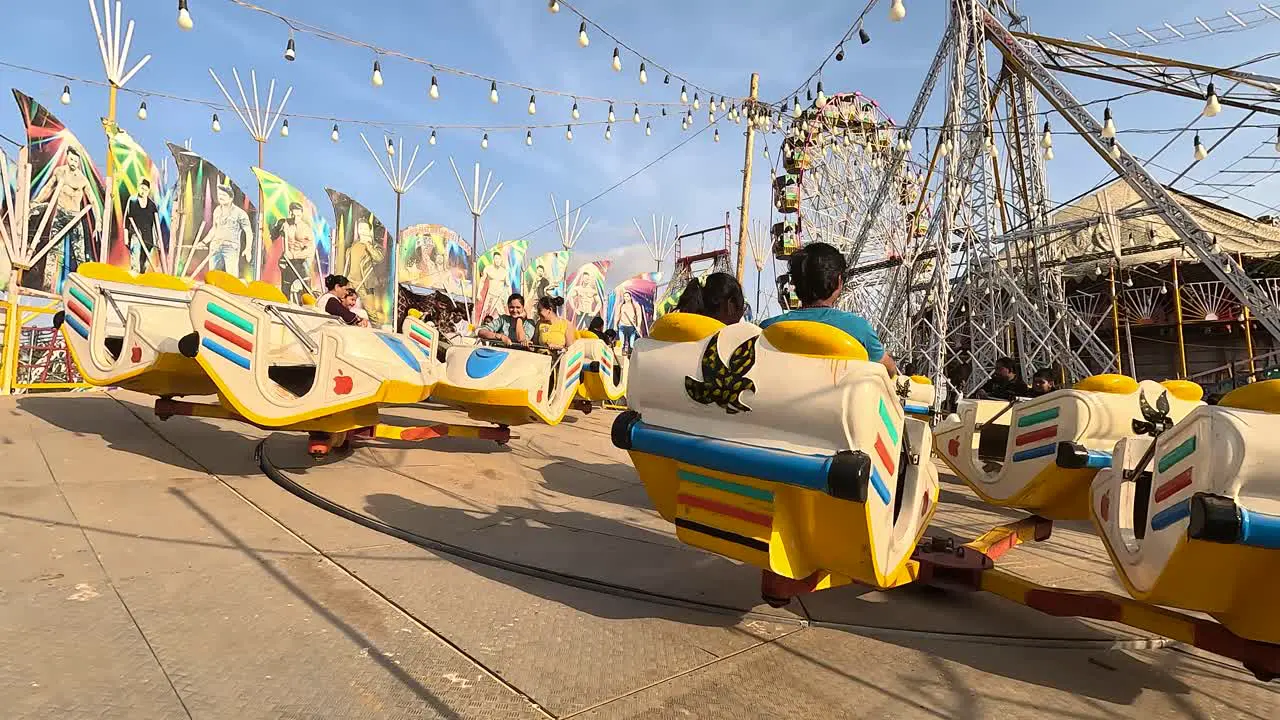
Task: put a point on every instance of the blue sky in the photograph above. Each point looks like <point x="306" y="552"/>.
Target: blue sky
<point x="715" y="43"/>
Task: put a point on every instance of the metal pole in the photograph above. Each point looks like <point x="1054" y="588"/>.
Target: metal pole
<point x="1248" y="332"/>
<point x="746" y="177"/>
<point x="1177" y="311"/>
<point x="475" y="268"/>
<point x="395" y="262"/>
<point x="262" y="217"/>
<point x="12" y="332"/>
<point x="1115" y="322"/>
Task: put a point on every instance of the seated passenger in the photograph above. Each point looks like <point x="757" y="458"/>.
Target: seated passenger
<point x="596" y="326"/>
<point x="350" y="303"/>
<point x="510" y="329"/>
<point x="553" y="330"/>
<point x="1004" y="383"/>
<point x="817" y="271"/>
<point x="334" y="300"/>
<point x="1043" y="382"/>
<point x="717" y="296"/>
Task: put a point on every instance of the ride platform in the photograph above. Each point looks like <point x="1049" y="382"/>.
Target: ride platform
<point x="153" y="571"/>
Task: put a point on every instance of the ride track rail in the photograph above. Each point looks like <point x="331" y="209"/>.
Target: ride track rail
<point x="436" y="545"/>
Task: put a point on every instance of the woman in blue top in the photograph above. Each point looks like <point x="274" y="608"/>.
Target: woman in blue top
<point x="817" y="271"/>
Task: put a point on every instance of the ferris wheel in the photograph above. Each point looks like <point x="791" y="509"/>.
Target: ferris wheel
<point x="834" y="158"/>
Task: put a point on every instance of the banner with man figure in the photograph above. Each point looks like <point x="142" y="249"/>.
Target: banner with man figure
<point x="298" y="239"/>
<point x="433" y="256"/>
<point x="545" y="275"/>
<point x="362" y="252"/>
<point x="498" y="275"/>
<point x="141" y="211"/>
<point x="214" y="221"/>
<point x="584" y="293"/>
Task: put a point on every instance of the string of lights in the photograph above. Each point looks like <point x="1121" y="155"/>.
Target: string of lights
<point x="897" y="12"/>
<point x="297" y="26"/>
<point x="1166" y="34"/>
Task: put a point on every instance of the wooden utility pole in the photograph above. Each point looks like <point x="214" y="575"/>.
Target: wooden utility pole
<point x="746" y="175"/>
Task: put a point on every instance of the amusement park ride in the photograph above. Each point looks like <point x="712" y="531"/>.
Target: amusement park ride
<point x="784" y="448"/>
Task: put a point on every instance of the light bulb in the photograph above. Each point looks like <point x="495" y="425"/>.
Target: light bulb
<point x="766" y="152"/>
<point x="617" y="61"/>
<point x="611" y="116"/>
<point x="66" y="95"/>
<point x="711" y="117"/>
<point x="553" y="7"/>
<point x="284" y="129"/>
<point x="1128" y="282"/>
<point x="648" y="130"/>
<point x="217" y="124"/>
<point x="1211" y="105"/>
<point x="575" y="112"/>
<point x="291" y="50"/>
<point x="1097" y="270"/>
<point x="184" y="16"/>
<point x="434" y="92"/>
<point x="528" y="138"/>
<point x="822" y="98"/>
<point x="840" y="53"/>
<point x="1108" y="125"/>
<point x="1164" y="289"/>
<point x="377" y="74"/>
<point x="391" y="149"/>
<point x="334" y="135"/>
<point x="608" y="132"/>
<point x="908" y="143"/>
<point x="684" y="124"/>
<point x="795" y="107"/>
<point x="635" y="115"/>
<point x="568" y="133"/>
<point x="1046" y="140"/>
<point x="1115" y="149"/>
<point x="142" y="110"/>
<point x="684" y="96"/>
<point x="943" y="149"/>
<point x="1277" y="146"/>
<point x="432" y="140"/>
<point x="695" y="101"/>
<point x="716" y="136"/>
<point x="644" y="75"/>
<point x="863" y="37"/>
<point x="582" y="35"/>
<point x="493" y="92"/>
<point x="484" y="142"/>
<point x="1201" y="153"/>
<point x="533" y="107"/>
<point x="897" y="11"/>
<point x="1048" y="153"/>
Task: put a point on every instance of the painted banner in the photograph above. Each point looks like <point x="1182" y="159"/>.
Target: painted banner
<point x="584" y="293"/>
<point x="433" y="256"/>
<point x="8" y="190"/>
<point x="498" y="275"/>
<point x="545" y="275"/>
<point x="670" y="300"/>
<point x="631" y="306"/>
<point x="141" y="213"/>
<point x="362" y="252"/>
<point x="60" y="163"/>
<point x="214" y="221"/>
<point x="295" y="256"/>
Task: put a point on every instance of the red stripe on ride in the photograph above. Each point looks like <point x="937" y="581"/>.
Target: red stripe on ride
<point x="421" y="341"/>
<point x="229" y="336"/>
<point x="79" y="311"/>
<point x="883" y="452"/>
<point x="1181" y="482"/>
<point x="754" y="518"/>
<point x="1036" y="435"/>
<point x="573" y="370"/>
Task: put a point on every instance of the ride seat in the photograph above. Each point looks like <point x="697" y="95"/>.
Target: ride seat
<point x="813" y="339"/>
<point x="1263" y="396"/>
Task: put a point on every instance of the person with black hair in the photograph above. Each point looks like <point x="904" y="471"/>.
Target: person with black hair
<point x="596" y="326"/>
<point x="1004" y="383"/>
<point x="717" y="296"/>
<point x="817" y="272"/>
<point x="1043" y="382"/>
<point x="334" y="299"/>
<point x="514" y="328"/>
<point x="553" y="331"/>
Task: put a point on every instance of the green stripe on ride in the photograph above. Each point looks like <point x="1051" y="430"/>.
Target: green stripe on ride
<point x="230" y="317"/>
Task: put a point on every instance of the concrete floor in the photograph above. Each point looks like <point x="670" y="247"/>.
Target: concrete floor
<point x="148" y="570"/>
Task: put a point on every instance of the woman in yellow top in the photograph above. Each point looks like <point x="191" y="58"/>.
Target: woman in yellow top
<point x="553" y="331"/>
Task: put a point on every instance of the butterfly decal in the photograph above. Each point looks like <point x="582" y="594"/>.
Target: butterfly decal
<point x="723" y="384"/>
<point x="1156" y="419"/>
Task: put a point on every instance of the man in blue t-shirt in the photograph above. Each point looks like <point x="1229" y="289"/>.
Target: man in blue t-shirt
<point x="817" y="271"/>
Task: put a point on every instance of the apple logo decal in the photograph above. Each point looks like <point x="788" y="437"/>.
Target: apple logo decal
<point x="136" y="354"/>
<point x="953" y="447"/>
<point x="342" y="384"/>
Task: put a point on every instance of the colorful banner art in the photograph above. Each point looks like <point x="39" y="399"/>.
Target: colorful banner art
<point x="141" y="215"/>
<point x="362" y="252"/>
<point x="545" y="275"/>
<point x="584" y="293"/>
<point x="435" y="257"/>
<point x="11" y="168"/>
<point x="213" y="220"/>
<point x="296" y="253"/>
<point x="498" y="275"/>
<point x="631" y="306"/>
<point x="670" y="300"/>
<point x="61" y="165"/>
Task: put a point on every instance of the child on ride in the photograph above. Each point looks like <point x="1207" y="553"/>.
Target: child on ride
<point x="718" y="296"/>
<point x="817" y="271"/>
<point x="553" y="330"/>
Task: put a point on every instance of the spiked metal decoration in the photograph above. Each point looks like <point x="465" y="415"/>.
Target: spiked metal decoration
<point x="260" y="123"/>
<point x="759" y="239"/>
<point x="115" y="53"/>
<point x="567" y="226"/>
<point x="661" y="239"/>
<point x="397" y="175"/>
<point x="478" y="200"/>
<point x="15" y="231"/>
